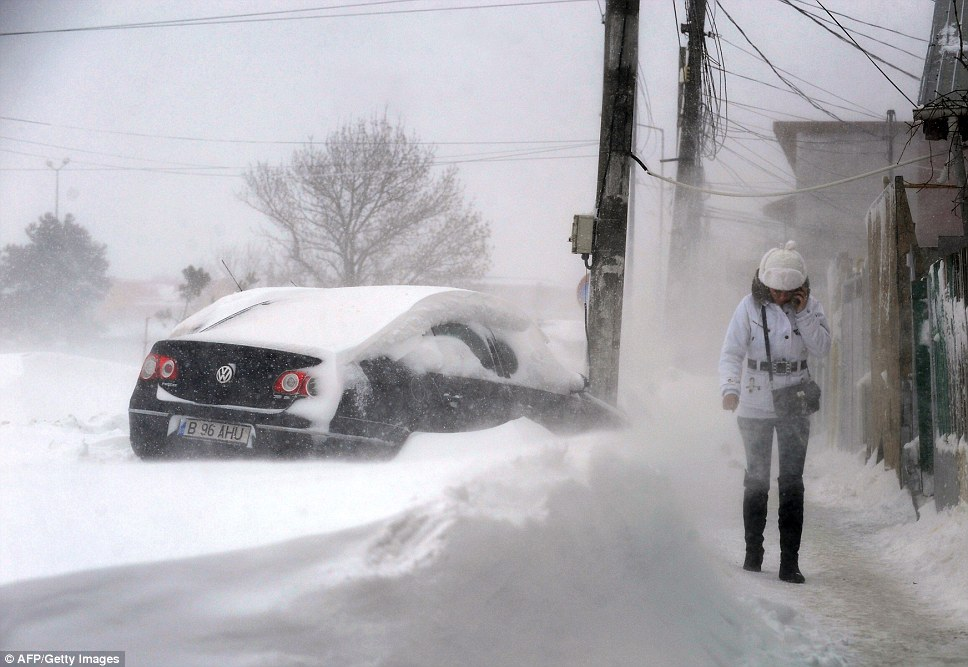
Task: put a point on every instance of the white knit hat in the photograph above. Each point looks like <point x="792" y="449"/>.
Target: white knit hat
<point x="782" y="268"/>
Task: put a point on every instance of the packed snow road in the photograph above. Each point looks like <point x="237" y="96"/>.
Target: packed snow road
<point x="882" y="587"/>
<point x="877" y="609"/>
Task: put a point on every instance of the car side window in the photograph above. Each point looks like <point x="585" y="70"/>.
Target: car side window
<point x="469" y="337"/>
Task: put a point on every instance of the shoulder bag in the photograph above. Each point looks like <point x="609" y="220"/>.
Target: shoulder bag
<point x="798" y="400"/>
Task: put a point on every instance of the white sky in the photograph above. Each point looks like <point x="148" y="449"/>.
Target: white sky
<point x="113" y="102"/>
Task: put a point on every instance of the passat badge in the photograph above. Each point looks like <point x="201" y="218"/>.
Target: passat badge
<point x="225" y="373"/>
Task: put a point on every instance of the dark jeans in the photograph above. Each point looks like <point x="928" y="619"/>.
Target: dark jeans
<point x="792" y="434"/>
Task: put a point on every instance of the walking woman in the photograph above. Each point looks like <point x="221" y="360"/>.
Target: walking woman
<point x="773" y="331"/>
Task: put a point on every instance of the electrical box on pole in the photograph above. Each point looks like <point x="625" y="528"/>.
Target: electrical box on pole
<point x="610" y="225"/>
<point x="583" y="235"/>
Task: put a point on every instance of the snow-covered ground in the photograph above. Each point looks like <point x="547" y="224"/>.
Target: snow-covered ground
<point x="509" y="546"/>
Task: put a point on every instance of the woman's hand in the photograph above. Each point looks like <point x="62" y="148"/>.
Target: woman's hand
<point x="799" y="298"/>
<point x="730" y="402"/>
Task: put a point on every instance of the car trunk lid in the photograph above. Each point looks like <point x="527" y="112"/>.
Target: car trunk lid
<point x="230" y="375"/>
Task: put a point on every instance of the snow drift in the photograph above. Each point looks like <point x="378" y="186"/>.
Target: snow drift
<point x="502" y="547"/>
<point x="508" y="546"/>
<point x="554" y="557"/>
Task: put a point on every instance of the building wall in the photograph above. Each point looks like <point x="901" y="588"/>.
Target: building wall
<point x="830" y="221"/>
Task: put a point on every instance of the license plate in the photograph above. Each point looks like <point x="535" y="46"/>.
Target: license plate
<point x="237" y="434"/>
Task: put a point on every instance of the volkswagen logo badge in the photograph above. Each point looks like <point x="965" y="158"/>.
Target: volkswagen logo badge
<point x="225" y="373"/>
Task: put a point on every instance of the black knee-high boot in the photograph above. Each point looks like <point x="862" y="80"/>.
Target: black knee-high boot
<point x="754" y="521"/>
<point x="791" y="527"/>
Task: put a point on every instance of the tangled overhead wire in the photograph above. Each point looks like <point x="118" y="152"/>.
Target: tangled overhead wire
<point x="715" y="121"/>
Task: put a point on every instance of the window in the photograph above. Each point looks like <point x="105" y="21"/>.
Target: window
<point x="470" y="338"/>
<point x="507" y="361"/>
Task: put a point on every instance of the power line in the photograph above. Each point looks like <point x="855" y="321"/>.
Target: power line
<point x="759" y="111"/>
<point x="765" y="133"/>
<point x="789" y="83"/>
<point x="74" y="149"/>
<point x="800" y="79"/>
<point x="282" y="142"/>
<point x="851" y="42"/>
<point x="873" y="25"/>
<point x="502" y="155"/>
<point x="169" y="22"/>
<point x="864" y="35"/>
<point x="824" y="186"/>
<point x="522" y="152"/>
<point x="737" y="179"/>
<point x="856" y="109"/>
<point x="179" y="23"/>
<point x="772" y="171"/>
<point x="715" y="108"/>
<point x="740" y="217"/>
<point x="871" y="58"/>
<point x="675" y="13"/>
<point x="194" y="169"/>
<point x="149" y="136"/>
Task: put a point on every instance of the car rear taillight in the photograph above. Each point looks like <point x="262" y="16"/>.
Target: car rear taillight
<point x="158" y="366"/>
<point x="295" y="383"/>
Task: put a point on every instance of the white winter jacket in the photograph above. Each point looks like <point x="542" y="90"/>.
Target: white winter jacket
<point x="793" y="336"/>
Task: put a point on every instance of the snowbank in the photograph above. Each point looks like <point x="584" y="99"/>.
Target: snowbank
<point x="508" y="546"/>
<point x="929" y="551"/>
<point x="555" y="557"/>
<point x="502" y="547"/>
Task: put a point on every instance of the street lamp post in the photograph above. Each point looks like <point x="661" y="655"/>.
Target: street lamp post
<point x="63" y="164"/>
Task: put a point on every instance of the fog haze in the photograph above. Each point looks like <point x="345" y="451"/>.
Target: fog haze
<point x="468" y="548"/>
<point x="159" y="123"/>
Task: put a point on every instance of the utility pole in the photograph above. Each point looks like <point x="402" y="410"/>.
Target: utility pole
<point x="687" y="213"/>
<point x="607" y="282"/>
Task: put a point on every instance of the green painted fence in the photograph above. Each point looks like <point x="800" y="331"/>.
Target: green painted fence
<point x="947" y="341"/>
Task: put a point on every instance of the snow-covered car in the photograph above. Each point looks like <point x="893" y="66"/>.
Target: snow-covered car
<point x="349" y="370"/>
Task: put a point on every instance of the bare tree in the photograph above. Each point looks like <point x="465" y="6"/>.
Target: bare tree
<point x="369" y="207"/>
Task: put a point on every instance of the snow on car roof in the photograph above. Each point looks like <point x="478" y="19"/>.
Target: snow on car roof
<point x="344" y="321"/>
<point x="352" y="323"/>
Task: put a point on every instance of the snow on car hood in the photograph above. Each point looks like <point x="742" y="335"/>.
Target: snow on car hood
<point x="351" y="323"/>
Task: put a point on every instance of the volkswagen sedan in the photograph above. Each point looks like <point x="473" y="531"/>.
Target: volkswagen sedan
<point x="355" y="371"/>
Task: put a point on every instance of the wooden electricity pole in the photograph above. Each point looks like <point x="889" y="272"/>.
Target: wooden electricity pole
<point x="607" y="283"/>
<point x="687" y="212"/>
